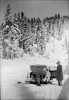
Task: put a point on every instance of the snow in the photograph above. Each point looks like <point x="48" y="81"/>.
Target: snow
<point x="56" y="50"/>
<point x="16" y="70"/>
<point x="13" y="71"/>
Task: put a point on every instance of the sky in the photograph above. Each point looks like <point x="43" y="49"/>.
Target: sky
<point x="35" y="8"/>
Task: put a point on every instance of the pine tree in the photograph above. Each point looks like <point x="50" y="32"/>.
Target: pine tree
<point x="28" y="20"/>
<point x="22" y="14"/>
<point x="2" y="25"/>
<point x="15" y="18"/>
<point x="8" y="16"/>
<point x="32" y="21"/>
<point x="58" y="16"/>
<point x="18" y="16"/>
<point x="40" y="40"/>
<point x="38" y="21"/>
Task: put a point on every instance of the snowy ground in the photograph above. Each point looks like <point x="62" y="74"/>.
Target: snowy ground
<point x="16" y="70"/>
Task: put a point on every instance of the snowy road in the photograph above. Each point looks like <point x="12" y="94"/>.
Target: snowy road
<point x="30" y="91"/>
<point x="41" y="92"/>
<point x="16" y="70"/>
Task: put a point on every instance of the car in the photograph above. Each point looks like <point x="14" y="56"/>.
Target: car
<point x="47" y="73"/>
<point x="37" y="69"/>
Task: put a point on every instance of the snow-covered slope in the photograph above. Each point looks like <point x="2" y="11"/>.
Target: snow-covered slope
<point x="56" y="50"/>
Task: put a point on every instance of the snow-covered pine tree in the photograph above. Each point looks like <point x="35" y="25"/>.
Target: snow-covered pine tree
<point x="40" y="40"/>
<point x="10" y="41"/>
<point x="15" y="18"/>
<point x="8" y="17"/>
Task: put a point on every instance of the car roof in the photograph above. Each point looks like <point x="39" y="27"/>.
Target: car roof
<point x="35" y="67"/>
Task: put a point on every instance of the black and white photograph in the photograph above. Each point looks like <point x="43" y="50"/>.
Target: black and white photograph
<point x="34" y="49"/>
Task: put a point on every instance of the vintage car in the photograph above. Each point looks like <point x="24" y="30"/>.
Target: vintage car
<point x="37" y="69"/>
<point x="46" y="73"/>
